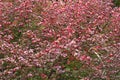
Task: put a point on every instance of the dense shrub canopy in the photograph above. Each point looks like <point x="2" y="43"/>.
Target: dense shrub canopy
<point x="59" y="40"/>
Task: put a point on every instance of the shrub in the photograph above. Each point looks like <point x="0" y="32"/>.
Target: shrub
<point x="61" y="40"/>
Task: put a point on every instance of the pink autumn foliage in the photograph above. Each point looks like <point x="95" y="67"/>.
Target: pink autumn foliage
<point x="50" y="34"/>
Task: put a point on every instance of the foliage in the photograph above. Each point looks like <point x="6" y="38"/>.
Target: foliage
<point x="59" y="40"/>
<point x="116" y="2"/>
